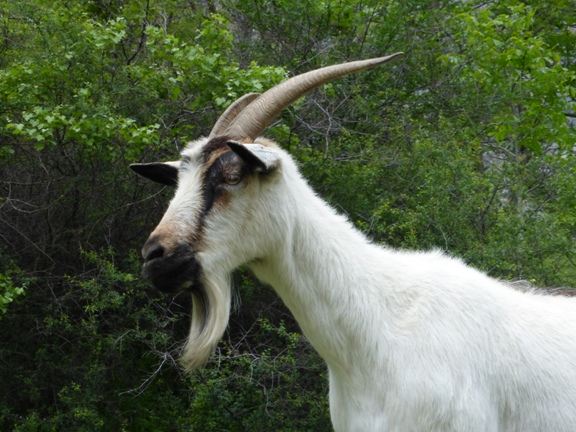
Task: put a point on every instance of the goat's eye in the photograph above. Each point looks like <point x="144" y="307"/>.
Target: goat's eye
<point x="232" y="179"/>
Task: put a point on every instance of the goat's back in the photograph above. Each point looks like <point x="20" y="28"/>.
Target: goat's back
<point x="466" y="353"/>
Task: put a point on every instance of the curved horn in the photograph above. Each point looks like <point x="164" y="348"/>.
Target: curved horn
<point x="230" y="114"/>
<point x="260" y="113"/>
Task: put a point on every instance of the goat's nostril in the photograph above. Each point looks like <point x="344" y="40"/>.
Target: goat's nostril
<point x="152" y="249"/>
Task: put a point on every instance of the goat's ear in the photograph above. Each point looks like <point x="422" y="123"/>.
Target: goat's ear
<point x="165" y="173"/>
<point x="263" y="159"/>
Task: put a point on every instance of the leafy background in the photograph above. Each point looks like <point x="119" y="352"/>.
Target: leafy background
<point x="466" y="145"/>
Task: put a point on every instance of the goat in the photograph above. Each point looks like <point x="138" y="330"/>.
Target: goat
<point x="413" y="341"/>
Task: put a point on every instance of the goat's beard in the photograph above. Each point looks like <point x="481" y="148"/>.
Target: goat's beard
<point x="210" y="314"/>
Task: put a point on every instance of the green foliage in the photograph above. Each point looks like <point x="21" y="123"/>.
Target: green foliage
<point x="270" y="380"/>
<point x="90" y="321"/>
<point x="106" y="88"/>
<point x="275" y="383"/>
<point x="8" y="291"/>
<point x="13" y="281"/>
<point x="465" y="145"/>
<point x="530" y="87"/>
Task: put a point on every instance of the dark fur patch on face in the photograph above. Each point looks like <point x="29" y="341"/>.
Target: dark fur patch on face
<point x="221" y="163"/>
<point x="173" y="272"/>
<point x="226" y="165"/>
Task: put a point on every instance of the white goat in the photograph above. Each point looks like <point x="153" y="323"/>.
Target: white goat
<point x="413" y="341"/>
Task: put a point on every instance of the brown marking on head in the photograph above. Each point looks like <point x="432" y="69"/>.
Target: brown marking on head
<point x="214" y="155"/>
<point x="214" y="149"/>
<point x="223" y="170"/>
<point x="168" y="236"/>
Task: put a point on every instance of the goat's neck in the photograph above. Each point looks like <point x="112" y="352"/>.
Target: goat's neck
<point x="321" y="268"/>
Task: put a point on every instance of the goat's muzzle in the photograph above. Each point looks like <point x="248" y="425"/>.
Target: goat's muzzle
<point x="170" y="272"/>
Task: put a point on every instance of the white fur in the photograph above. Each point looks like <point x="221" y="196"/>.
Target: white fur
<point x="414" y="341"/>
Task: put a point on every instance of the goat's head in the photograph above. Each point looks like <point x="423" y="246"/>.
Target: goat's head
<point x="223" y="214"/>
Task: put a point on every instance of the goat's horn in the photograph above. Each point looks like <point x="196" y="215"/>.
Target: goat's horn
<point x="230" y="114"/>
<point x="250" y="123"/>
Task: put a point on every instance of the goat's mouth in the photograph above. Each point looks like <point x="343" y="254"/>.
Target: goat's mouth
<point x="174" y="272"/>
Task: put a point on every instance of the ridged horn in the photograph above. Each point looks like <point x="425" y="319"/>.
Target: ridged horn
<point x="256" y="117"/>
<point x="230" y="114"/>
